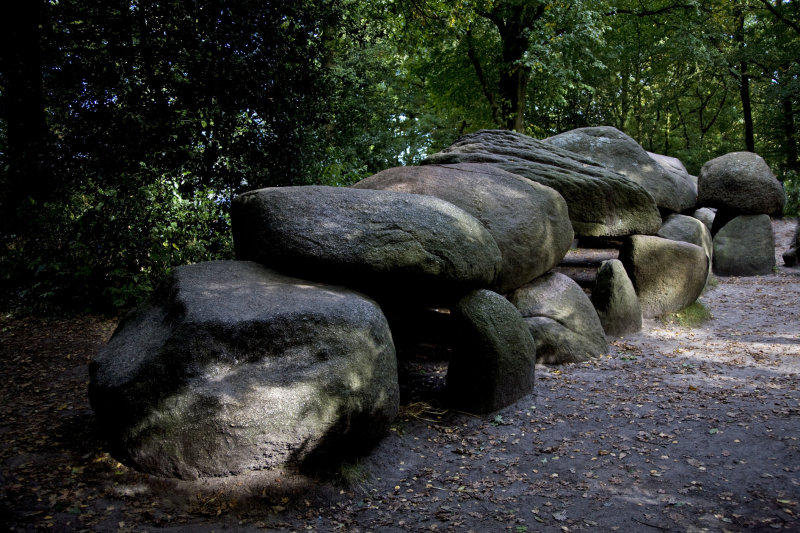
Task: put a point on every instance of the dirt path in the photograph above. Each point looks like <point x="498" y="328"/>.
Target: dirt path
<point x="675" y="429"/>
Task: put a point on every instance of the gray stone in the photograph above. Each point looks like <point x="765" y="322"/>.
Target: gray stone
<point x="561" y="318"/>
<point x="495" y="358"/>
<point x="366" y="239"/>
<point x="790" y="255"/>
<point x="745" y="246"/>
<point x="529" y="222"/>
<point x="689" y="229"/>
<point x="667" y="275"/>
<point x="706" y="216"/>
<point x="234" y="367"/>
<point x="601" y="202"/>
<point x="740" y="182"/>
<point x="619" y="152"/>
<point x="615" y="300"/>
<point x="676" y="168"/>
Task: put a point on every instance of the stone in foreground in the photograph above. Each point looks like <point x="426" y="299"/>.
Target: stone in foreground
<point x="740" y="182"/>
<point x="601" y="202"/>
<point x="561" y="318"/>
<point x="365" y="239"/>
<point x="745" y="246"/>
<point x="529" y="222"/>
<point x="495" y="357"/>
<point x="619" y="152"/>
<point x="236" y="368"/>
<point x="667" y="275"/>
<point x="615" y="300"/>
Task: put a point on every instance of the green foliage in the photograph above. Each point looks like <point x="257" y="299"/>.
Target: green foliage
<point x="159" y="113"/>
<point x="108" y="248"/>
<point x="791" y="185"/>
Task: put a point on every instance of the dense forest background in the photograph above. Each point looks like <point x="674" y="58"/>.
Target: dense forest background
<point x="127" y="126"/>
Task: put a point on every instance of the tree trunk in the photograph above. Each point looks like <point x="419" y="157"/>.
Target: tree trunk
<point x="24" y="110"/>
<point x="747" y="110"/>
<point x="790" y="133"/>
<point x="744" y="84"/>
<point x="514" y="25"/>
<point x="513" y="93"/>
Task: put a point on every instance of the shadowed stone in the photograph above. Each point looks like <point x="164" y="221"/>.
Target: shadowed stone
<point x="233" y="367"/>
<point x="615" y="300"/>
<point x="745" y="246"/>
<point x="495" y="359"/>
<point x="790" y="255"/>
<point x="563" y="322"/>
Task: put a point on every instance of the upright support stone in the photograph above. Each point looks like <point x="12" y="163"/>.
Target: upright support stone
<point x="495" y="359"/>
<point x="615" y="299"/>
<point x="745" y="246"/>
<point x="667" y="275"/>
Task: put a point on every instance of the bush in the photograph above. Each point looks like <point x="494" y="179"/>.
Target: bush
<point x="106" y="249"/>
<point x="791" y="184"/>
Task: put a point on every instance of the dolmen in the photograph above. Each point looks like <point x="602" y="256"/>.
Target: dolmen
<point x="287" y="356"/>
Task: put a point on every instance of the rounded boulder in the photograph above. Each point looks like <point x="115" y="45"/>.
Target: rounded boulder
<point x="233" y="368"/>
<point x="667" y="275"/>
<point x="740" y="182"/>
<point x="529" y="222"/>
<point x="495" y="357"/>
<point x="561" y="318"/>
<point x="367" y="239"/>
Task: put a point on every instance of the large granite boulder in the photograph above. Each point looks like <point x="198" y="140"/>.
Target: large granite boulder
<point x="601" y="202"/>
<point x="561" y="319"/>
<point x="745" y="246"/>
<point x="790" y="258"/>
<point x="495" y="357"/>
<point x="675" y="167"/>
<point x="619" y="152"/>
<point x="615" y="300"/>
<point x="667" y="275"/>
<point x="366" y="239"/>
<point x="740" y="182"/>
<point x="689" y="229"/>
<point x="529" y="222"/>
<point x="234" y="367"/>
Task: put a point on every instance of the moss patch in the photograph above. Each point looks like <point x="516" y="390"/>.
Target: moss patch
<point x="689" y="317"/>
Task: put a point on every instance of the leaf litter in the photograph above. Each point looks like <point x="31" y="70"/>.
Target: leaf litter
<point x="675" y="429"/>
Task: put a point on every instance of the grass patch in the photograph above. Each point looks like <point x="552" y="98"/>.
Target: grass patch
<point x="689" y="317"/>
<point x="352" y="475"/>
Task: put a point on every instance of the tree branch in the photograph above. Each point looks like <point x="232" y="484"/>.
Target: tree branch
<point x="476" y="64"/>
<point x="774" y="10"/>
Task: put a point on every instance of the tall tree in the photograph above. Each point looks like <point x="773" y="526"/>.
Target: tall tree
<point x="495" y="47"/>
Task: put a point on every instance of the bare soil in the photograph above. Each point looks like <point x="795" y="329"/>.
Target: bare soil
<point x="675" y="429"/>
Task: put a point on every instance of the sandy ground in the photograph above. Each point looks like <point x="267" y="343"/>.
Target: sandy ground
<point x="675" y="429"/>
